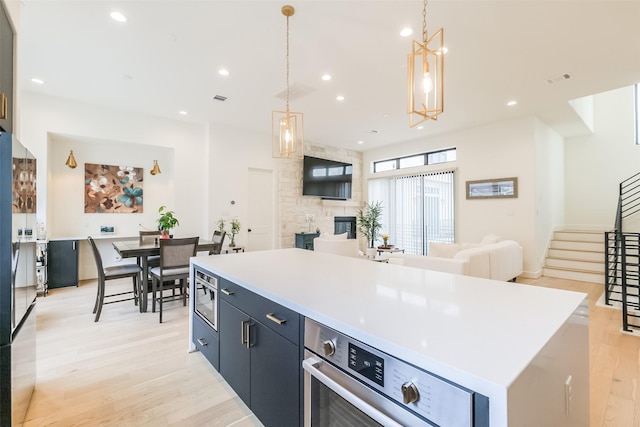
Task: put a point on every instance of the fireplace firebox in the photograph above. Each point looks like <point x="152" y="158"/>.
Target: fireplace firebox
<point x="345" y="224"/>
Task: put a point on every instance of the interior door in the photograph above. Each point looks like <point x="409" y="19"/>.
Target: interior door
<point x="260" y="215"/>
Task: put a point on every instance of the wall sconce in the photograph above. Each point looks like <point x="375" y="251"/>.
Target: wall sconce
<point x="156" y="168"/>
<point x="71" y="161"/>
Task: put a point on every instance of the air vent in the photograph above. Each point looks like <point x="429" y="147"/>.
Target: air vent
<point x="556" y="79"/>
<point x="373" y="132"/>
<point x="220" y="98"/>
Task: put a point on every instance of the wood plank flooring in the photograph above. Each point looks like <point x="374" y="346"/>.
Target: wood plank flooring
<point x="129" y="370"/>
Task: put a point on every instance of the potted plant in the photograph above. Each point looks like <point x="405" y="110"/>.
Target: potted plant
<point x="167" y="221"/>
<point x="221" y="224"/>
<point x="369" y="224"/>
<point x="235" y="229"/>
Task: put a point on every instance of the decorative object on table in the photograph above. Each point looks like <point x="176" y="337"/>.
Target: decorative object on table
<point x="500" y="188"/>
<point x="425" y="76"/>
<point x="24" y="185"/>
<point x="112" y="189"/>
<point x="167" y="221"/>
<point x="385" y="241"/>
<point x="287" y="134"/>
<point x="369" y="224"/>
<point x="309" y="219"/>
<point x="107" y="229"/>
<point x="221" y="224"/>
<point x="235" y="229"/>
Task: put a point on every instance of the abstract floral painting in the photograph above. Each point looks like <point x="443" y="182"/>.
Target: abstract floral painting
<point x="112" y="189"/>
<point x="24" y="185"/>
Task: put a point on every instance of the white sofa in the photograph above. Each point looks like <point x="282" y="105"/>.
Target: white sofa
<point x="336" y="244"/>
<point x="498" y="260"/>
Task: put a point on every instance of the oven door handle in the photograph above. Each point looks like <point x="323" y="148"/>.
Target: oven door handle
<point x="310" y="365"/>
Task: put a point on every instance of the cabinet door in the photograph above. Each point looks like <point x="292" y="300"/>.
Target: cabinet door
<point x="234" y="354"/>
<point x="275" y="378"/>
<point x="6" y="72"/>
<point x="63" y="263"/>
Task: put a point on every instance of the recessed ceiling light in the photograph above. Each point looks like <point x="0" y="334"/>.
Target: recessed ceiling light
<point x="406" y="32"/>
<point x="339" y="98"/>
<point x="360" y="142"/>
<point x="38" y="81"/>
<point x="184" y="113"/>
<point x="326" y="77"/>
<point x="223" y="72"/>
<point x="118" y="16"/>
<point x="512" y="103"/>
<point x="443" y="50"/>
<point x="420" y="127"/>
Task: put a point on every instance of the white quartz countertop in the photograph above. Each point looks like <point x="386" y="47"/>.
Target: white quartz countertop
<point x="479" y="333"/>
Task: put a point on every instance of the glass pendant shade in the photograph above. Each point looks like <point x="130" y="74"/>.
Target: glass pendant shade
<point x="287" y="134"/>
<point x="71" y="161"/>
<point x="425" y="78"/>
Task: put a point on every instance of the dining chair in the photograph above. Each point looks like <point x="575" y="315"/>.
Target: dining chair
<point x="150" y="237"/>
<point x="218" y="240"/>
<point x="174" y="266"/>
<point x="110" y="273"/>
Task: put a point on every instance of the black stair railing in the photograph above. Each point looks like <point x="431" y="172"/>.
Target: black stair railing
<point x="622" y="256"/>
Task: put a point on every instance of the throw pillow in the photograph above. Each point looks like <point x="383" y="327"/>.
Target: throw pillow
<point x="328" y="236"/>
<point x="443" y="250"/>
<point x="490" y="238"/>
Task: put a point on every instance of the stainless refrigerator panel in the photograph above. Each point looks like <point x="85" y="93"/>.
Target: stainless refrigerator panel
<point x="24" y="287"/>
<point x="23" y="367"/>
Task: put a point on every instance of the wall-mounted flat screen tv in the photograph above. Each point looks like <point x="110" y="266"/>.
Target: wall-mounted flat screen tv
<point x="326" y="178"/>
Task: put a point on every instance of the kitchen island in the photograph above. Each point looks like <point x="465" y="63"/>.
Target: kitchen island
<point x="525" y="348"/>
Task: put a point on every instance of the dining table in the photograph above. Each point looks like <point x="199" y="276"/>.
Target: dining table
<point x="142" y="251"/>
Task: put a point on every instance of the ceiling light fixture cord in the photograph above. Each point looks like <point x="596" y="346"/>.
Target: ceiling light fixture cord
<point x="424" y="24"/>
<point x="287" y="66"/>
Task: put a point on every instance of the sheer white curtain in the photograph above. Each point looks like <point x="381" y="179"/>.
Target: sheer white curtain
<point x="416" y="209"/>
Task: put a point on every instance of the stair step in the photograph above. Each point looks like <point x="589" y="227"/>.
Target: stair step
<point x="577" y="245"/>
<point x="588" y="266"/>
<point x="581" y="276"/>
<point x="579" y="236"/>
<point x="576" y="255"/>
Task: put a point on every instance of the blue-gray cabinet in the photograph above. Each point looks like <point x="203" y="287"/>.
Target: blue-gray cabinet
<point x="62" y="267"/>
<point x="261" y="354"/>
<point x="305" y="240"/>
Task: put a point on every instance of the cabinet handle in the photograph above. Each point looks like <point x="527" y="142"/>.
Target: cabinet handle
<point x="243" y="339"/>
<point x="273" y="318"/>
<point x="227" y="292"/>
<point x="202" y="342"/>
<point x="249" y="335"/>
<point x="74" y="245"/>
<point x="3" y="106"/>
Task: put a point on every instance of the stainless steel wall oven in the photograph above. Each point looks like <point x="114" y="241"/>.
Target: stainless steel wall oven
<point x="350" y="383"/>
<point x="206" y="298"/>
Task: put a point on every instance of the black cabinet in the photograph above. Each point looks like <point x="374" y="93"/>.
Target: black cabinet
<point x="261" y="354"/>
<point x="206" y="341"/>
<point x="305" y="240"/>
<point x="62" y="263"/>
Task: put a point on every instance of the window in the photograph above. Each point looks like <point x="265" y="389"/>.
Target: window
<point x="416" y="209"/>
<point x="441" y="156"/>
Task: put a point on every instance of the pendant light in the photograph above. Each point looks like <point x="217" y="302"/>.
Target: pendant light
<point x="71" y="160"/>
<point x="287" y="127"/>
<point x="425" y="76"/>
<point x="156" y="168"/>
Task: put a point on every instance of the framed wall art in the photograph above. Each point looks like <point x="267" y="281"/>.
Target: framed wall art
<point x="112" y="189"/>
<point x="499" y="188"/>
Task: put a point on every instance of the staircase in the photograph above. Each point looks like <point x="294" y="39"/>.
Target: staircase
<point x="576" y="255"/>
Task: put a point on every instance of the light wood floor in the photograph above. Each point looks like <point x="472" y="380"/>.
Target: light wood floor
<point x="128" y="370"/>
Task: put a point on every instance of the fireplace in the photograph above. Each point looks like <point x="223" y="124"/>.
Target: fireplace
<point x="345" y="224"/>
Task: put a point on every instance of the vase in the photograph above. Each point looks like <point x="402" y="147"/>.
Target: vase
<point x="232" y="243"/>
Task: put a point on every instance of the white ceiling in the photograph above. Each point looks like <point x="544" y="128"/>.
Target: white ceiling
<point x="166" y="58"/>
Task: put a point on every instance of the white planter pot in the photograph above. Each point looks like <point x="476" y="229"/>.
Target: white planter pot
<point x="371" y="252"/>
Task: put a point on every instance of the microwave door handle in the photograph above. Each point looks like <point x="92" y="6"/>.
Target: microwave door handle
<point x="310" y="364"/>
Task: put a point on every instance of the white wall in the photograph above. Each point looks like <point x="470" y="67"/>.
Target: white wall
<point x="596" y="164"/>
<point x="500" y="150"/>
<point x="49" y="127"/>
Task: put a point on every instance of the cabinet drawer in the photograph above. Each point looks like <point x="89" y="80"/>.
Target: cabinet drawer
<point x="271" y="314"/>
<point x="206" y="341"/>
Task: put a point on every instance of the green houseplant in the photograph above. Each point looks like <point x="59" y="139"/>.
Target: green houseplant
<point x="369" y="221"/>
<point x="235" y="229"/>
<point x="167" y="220"/>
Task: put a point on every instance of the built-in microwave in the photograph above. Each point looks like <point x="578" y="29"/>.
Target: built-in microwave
<point x="206" y="297"/>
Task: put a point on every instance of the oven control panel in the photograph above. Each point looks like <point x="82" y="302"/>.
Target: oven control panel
<point x="439" y="401"/>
